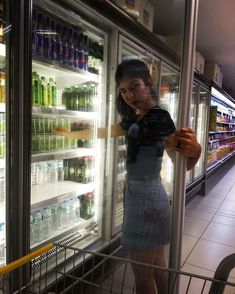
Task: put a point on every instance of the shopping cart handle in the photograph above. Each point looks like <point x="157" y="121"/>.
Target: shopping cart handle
<point x="222" y="273"/>
<point x="23" y="260"/>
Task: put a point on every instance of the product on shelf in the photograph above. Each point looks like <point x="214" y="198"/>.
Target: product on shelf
<point x="80" y="98"/>
<point x="79" y="169"/>
<point x="2" y="87"/>
<point x="57" y="41"/>
<point x="87" y="208"/>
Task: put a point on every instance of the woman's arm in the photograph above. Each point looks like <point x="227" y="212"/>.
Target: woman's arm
<point x="185" y="142"/>
<point x="116" y="131"/>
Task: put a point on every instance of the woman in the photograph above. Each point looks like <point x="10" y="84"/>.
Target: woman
<point x="146" y="226"/>
<point x="149" y="130"/>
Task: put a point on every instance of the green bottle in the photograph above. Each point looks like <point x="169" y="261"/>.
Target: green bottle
<point x="44" y="92"/>
<point x="52" y="92"/>
<point x="35" y="89"/>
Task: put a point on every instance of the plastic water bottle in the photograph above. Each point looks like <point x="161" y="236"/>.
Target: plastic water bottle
<point x="31" y="230"/>
<point x="60" y="170"/>
<point x="46" y="222"/>
<point x="54" y="217"/>
<point x="65" y="214"/>
<point x="37" y="226"/>
<point x="76" y="206"/>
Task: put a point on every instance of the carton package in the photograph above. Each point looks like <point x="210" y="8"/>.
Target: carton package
<point x="212" y="72"/>
<point x="199" y="62"/>
<point x="142" y="10"/>
<point x="131" y="6"/>
<point x="212" y="118"/>
<point x="146" y="13"/>
<point x="220" y="79"/>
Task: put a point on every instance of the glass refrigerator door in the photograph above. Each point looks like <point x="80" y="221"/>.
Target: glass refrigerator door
<point x="192" y="124"/>
<point x="3" y="75"/>
<point x="67" y="93"/>
<point x="202" y="118"/>
<point x="128" y="50"/>
<point x="169" y="97"/>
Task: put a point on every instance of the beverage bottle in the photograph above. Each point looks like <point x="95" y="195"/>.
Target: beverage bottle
<point x="92" y="97"/>
<point x="54" y="216"/>
<point x="70" y="47"/>
<point x="53" y="40"/>
<point x="72" y="170"/>
<point x="73" y="97"/>
<point x="35" y="89"/>
<point x="2" y="87"/>
<point x="64" y="214"/>
<point x="86" y="52"/>
<point x="59" y="217"/>
<point x="64" y="38"/>
<point x="46" y="222"/>
<point x="31" y="230"/>
<point x="47" y="44"/>
<point x="60" y="171"/>
<point x="81" y="51"/>
<point x="39" y="35"/>
<point x="77" y="208"/>
<point x="34" y="28"/>
<point x="77" y="170"/>
<point x="39" y="91"/>
<point x="52" y="92"/>
<point x="37" y="226"/>
<point x="44" y="92"/>
<point x="66" y="169"/>
<point x="66" y="97"/>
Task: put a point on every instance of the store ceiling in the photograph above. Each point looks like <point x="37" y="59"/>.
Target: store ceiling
<point x="215" y="32"/>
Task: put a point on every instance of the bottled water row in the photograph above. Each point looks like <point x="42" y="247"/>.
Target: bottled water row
<point x="44" y="222"/>
<point x="45" y="172"/>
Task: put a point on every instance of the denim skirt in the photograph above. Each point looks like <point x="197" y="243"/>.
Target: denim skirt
<point x="147" y="215"/>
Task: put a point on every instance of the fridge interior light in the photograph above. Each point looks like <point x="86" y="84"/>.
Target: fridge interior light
<point x="223" y="98"/>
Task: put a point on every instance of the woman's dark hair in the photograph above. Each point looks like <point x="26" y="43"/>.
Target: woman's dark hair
<point x="128" y="69"/>
<point x="133" y="68"/>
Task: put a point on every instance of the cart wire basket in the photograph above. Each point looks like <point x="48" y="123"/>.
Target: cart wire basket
<point x="56" y="268"/>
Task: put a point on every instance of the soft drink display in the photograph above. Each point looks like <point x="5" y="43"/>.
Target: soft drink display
<point x="54" y="40"/>
<point x="80" y="126"/>
<point x="80" y="98"/>
<point x="79" y="169"/>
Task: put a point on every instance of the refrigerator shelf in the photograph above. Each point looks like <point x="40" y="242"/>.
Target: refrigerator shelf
<point x="2" y="107"/>
<point x="63" y="154"/>
<point x="43" y="111"/>
<point x="65" y="76"/>
<point x="43" y="196"/>
<point x="215" y="132"/>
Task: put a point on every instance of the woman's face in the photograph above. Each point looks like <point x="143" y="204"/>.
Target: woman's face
<point x="134" y="92"/>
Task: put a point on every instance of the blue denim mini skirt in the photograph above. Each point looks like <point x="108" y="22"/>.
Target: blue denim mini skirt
<point x="147" y="215"/>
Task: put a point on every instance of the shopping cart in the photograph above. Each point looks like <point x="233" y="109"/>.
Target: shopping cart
<point x="57" y="268"/>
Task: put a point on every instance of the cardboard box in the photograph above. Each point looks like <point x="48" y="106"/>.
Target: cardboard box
<point x="199" y="62"/>
<point x="220" y="79"/>
<point x="131" y="6"/>
<point x="142" y="10"/>
<point x="146" y="13"/>
<point x="212" y="72"/>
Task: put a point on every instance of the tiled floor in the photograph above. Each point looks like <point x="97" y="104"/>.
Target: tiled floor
<point x="209" y="236"/>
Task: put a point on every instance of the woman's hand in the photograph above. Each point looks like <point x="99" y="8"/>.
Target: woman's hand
<point x="185" y="142"/>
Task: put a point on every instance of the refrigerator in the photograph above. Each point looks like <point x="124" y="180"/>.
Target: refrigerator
<point x="69" y="59"/>
<point x="221" y="144"/>
<point x="3" y="132"/>
<point x="166" y="84"/>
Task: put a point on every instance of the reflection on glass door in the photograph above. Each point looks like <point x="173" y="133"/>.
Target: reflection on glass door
<point x="202" y="130"/>
<point x="192" y="124"/>
<point x="129" y="50"/>
<point x="3" y="73"/>
<point x="169" y="99"/>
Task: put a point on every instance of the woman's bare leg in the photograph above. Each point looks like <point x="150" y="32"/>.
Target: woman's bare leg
<point x="145" y="276"/>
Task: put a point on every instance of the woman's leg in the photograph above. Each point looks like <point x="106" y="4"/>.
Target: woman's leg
<point x="146" y="277"/>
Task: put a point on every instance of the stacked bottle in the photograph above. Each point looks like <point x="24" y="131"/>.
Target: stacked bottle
<point x="79" y="170"/>
<point x="80" y="126"/>
<point x="60" y="216"/>
<point x="46" y="172"/>
<point x="43" y="91"/>
<point x="80" y="98"/>
<point x="44" y="140"/>
<point x="87" y="207"/>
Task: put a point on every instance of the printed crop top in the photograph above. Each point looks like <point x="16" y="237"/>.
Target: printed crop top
<point x="145" y="143"/>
